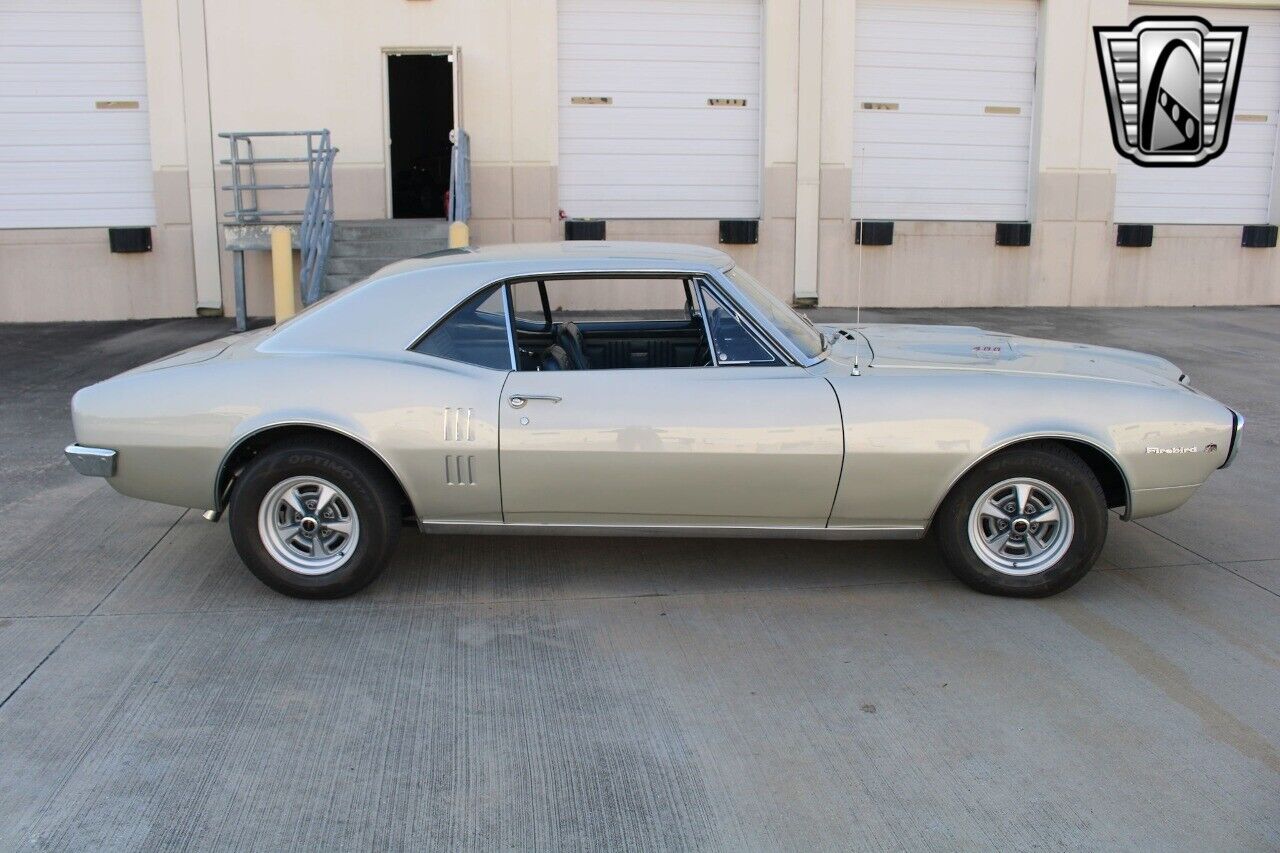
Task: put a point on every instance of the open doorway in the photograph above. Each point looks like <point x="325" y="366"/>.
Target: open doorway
<point x="420" y="115"/>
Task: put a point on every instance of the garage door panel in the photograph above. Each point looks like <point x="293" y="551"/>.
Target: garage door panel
<point x="642" y="54"/>
<point x="668" y="208"/>
<point x="610" y="81"/>
<point x="659" y="149"/>
<point x="874" y="132"/>
<point x="743" y="38"/>
<point x="996" y="46"/>
<point x="933" y="69"/>
<point x="75" y="217"/>
<point x="41" y="54"/>
<point x="607" y="175"/>
<point x="938" y="153"/>
<point x="643" y="124"/>
<point x="953" y="174"/>
<point x="662" y="148"/>
<point x="88" y="74"/>
<point x="63" y="161"/>
<point x="916" y="106"/>
<point x="948" y="12"/>
<point x="128" y="89"/>
<point x="114" y="155"/>
<point x="674" y="101"/>
<point x="1235" y="188"/>
<point x="938" y="211"/>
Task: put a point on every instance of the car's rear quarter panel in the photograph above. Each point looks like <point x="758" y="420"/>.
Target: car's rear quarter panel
<point x="173" y="427"/>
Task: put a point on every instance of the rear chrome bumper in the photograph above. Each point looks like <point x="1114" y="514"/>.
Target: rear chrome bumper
<point x="92" y="461"/>
<point x="1237" y="426"/>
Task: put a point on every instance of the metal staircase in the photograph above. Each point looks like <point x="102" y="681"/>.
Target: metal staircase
<point x="310" y="224"/>
<point x="334" y="254"/>
<point x="362" y="247"/>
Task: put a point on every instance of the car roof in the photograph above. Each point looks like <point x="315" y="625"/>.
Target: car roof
<point x="609" y="254"/>
<point x="393" y="307"/>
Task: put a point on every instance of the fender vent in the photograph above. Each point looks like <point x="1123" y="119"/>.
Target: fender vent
<point x="458" y="425"/>
<point x="460" y="470"/>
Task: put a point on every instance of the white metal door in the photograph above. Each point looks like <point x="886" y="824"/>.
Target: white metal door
<point x="943" y="98"/>
<point x="73" y="115"/>
<point x="660" y="108"/>
<point x="1234" y="188"/>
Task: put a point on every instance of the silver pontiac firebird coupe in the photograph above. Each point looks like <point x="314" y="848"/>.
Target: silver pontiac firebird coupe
<point x="637" y="388"/>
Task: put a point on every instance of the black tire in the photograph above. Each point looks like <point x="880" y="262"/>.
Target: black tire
<point x="1049" y="463"/>
<point x="373" y="498"/>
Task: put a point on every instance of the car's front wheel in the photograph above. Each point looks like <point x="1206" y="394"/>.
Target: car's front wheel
<point x="1029" y="522"/>
<point x="314" y="519"/>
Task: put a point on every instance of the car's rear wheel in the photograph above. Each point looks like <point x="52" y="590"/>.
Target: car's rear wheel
<point x="314" y="519"/>
<point x="1030" y="521"/>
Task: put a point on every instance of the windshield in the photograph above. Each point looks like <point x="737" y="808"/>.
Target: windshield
<point x="795" y="327"/>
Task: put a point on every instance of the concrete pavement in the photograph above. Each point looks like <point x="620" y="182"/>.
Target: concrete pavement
<point x="597" y="693"/>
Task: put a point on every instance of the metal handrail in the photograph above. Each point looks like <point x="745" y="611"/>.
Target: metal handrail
<point x="315" y="218"/>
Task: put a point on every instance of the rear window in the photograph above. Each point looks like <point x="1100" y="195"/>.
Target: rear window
<point x="475" y="333"/>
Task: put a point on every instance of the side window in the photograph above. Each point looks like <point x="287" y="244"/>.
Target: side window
<point x="732" y="341"/>
<point x="476" y="333"/>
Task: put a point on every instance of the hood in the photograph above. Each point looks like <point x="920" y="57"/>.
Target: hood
<point x="895" y="345"/>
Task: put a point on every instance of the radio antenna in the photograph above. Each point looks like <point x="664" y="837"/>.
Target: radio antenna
<point x="862" y="165"/>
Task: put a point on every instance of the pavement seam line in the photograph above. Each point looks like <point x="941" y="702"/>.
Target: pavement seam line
<point x="1212" y="562"/>
<point x="1230" y="570"/>
<point x="86" y="616"/>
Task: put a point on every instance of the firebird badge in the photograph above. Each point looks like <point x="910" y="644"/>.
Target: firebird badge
<point x="1170" y="84"/>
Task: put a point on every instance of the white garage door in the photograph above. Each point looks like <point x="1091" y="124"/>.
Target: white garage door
<point x="943" y="95"/>
<point x="74" y="148"/>
<point x="1235" y="188"/>
<point x="660" y="108"/>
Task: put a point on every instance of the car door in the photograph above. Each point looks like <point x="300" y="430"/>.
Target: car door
<point x="734" y="443"/>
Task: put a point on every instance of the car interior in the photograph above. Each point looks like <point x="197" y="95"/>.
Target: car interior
<point x="556" y="327"/>
<point x="551" y="336"/>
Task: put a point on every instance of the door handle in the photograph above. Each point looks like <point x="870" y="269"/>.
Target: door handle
<point x="519" y="401"/>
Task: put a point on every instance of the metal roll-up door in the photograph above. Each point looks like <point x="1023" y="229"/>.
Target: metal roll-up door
<point x="659" y="108"/>
<point x="75" y="150"/>
<point x="943" y="98"/>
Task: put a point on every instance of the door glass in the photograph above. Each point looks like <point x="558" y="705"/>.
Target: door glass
<point x="733" y="342"/>
<point x="607" y="324"/>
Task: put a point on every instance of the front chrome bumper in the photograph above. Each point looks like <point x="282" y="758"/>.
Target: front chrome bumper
<point x="92" y="461"/>
<point x="1237" y="426"/>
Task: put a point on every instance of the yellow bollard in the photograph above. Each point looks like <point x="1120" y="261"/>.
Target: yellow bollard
<point x="459" y="235"/>
<point x="282" y="272"/>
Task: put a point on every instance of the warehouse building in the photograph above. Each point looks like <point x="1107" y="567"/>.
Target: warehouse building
<point x="893" y="152"/>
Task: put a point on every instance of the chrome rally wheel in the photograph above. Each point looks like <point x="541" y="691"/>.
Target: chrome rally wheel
<point x="1028" y="521"/>
<point x="308" y="525"/>
<point x="1021" y="526"/>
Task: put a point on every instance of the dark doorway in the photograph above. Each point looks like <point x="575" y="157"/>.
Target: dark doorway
<point x="420" y="114"/>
